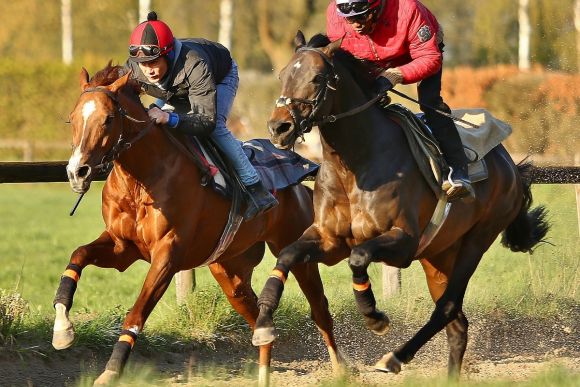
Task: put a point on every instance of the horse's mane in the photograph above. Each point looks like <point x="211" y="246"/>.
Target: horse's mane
<point x="359" y="70"/>
<point x="110" y="74"/>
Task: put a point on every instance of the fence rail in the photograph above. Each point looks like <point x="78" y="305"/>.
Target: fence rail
<point x="55" y="171"/>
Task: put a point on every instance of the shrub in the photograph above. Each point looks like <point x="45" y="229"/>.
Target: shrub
<point x="12" y="311"/>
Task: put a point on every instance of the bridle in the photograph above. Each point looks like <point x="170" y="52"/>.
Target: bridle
<point x="304" y="124"/>
<point x="122" y="143"/>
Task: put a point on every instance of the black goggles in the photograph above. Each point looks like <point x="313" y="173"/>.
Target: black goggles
<point x="146" y="50"/>
<point x="353" y="8"/>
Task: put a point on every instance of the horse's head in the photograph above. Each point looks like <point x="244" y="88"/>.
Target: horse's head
<point x="97" y="125"/>
<point x="308" y="81"/>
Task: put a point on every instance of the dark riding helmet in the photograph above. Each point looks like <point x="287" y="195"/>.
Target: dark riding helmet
<point x="150" y="40"/>
<point x="350" y="8"/>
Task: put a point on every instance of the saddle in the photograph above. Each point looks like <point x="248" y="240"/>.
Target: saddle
<point x="426" y="152"/>
<point x="477" y="142"/>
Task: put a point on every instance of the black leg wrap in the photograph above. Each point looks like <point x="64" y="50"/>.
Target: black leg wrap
<point x="365" y="301"/>
<point x="66" y="290"/>
<point x="119" y="357"/>
<point x="271" y="294"/>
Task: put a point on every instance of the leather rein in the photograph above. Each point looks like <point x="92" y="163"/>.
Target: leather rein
<point x="305" y="124"/>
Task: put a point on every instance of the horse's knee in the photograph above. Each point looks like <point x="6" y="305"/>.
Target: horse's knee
<point x="358" y="261"/>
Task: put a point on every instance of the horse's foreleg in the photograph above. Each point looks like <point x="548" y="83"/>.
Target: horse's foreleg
<point x="100" y="252"/>
<point x="396" y="248"/>
<point x="310" y="247"/>
<point x="157" y="280"/>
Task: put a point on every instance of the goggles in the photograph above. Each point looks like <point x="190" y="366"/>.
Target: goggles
<point x="347" y="9"/>
<point x="146" y="50"/>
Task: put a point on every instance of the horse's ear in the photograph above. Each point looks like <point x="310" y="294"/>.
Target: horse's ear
<point x="332" y="47"/>
<point x="119" y="83"/>
<point x="299" y="39"/>
<point x="84" y="79"/>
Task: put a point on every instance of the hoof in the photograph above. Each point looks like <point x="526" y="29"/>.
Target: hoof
<point x="263" y="336"/>
<point x="106" y="378"/>
<point x="379" y="323"/>
<point x="63" y="339"/>
<point x="389" y="363"/>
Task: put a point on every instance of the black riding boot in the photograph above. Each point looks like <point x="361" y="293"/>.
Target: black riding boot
<point x="458" y="185"/>
<point x="259" y="200"/>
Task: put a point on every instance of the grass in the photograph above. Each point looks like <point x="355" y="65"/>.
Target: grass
<point x="38" y="237"/>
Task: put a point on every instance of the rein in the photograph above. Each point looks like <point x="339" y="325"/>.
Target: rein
<point x="122" y="143"/>
<point x="305" y="124"/>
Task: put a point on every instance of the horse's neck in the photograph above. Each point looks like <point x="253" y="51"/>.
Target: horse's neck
<point x="363" y="133"/>
<point x="151" y="157"/>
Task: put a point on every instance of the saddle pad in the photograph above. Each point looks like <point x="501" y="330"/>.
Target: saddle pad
<point x="278" y="168"/>
<point x="479" y="141"/>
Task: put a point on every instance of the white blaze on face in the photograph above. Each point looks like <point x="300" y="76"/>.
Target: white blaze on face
<point x="88" y="108"/>
<point x="297" y="65"/>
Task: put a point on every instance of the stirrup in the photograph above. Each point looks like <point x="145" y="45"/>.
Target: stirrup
<point x="458" y="188"/>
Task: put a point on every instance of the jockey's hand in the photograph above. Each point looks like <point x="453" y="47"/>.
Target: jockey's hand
<point x="383" y="85"/>
<point x="158" y="115"/>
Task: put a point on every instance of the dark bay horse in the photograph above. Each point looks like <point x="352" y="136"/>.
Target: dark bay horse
<point x="371" y="202"/>
<point x="155" y="209"/>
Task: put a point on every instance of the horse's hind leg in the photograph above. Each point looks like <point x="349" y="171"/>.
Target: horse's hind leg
<point x="437" y="272"/>
<point x="234" y="275"/>
<point x="448" y="307"/>
<point x="100" y="252"/>
<point x="308" y="278"/>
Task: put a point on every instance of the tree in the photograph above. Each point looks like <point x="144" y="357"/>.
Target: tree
<point x="226" y="23"/>
<point x="67" y="37"/>
<point x="577" y="25"/>
<point x="524" y="37"/>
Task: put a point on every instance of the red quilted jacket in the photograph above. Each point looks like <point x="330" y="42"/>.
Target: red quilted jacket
<point x="405" y="37"/>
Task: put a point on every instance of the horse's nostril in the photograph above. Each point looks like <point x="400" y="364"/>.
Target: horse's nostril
<point x="282" y="128"/>
<point x="83" y="171"/>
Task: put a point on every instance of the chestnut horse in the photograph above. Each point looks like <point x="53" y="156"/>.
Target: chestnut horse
<point x="155" y="209"/>
<point x="371" y="202"/>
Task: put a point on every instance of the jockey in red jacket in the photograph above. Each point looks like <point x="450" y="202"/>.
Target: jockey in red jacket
<point x="402" y="42"/>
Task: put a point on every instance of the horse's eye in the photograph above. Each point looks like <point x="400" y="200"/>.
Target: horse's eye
<point x="319" y="78"/>
<point x="108" y="120"/>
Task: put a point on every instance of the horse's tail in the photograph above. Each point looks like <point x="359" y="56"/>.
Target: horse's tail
<point x="530" y="226"/>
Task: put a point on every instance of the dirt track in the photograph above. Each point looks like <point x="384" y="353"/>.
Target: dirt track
<point x="500" y="349"/>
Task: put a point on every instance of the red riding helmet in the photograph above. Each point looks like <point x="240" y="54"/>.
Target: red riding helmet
<point x="350" y="8"/>
<point x="150" y="40"/>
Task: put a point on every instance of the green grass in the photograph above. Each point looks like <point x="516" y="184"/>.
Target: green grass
<point x="38" y="237"/>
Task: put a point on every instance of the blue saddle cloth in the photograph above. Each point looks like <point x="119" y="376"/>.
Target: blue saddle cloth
<point x="278" y="168"/>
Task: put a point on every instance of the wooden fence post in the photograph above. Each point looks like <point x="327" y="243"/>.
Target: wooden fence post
<point x="391" y="281"/>
<point x="184" y="285"/>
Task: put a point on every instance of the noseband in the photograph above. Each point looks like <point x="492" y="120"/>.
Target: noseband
<point x="122" y="143"/>
<point x="304" y="125"/>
